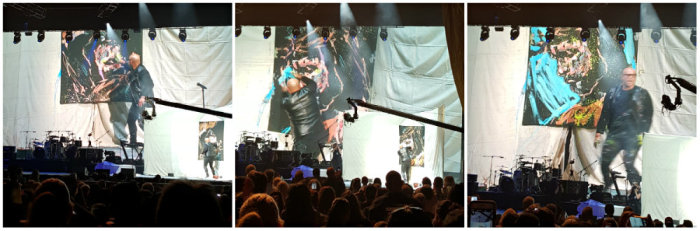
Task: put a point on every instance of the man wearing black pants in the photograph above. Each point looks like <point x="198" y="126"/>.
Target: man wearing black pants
<point x="405" y="157"/>
<point x="140" y="87"/>
<point x="627" y="113"/>
<point x="209" y="156"/>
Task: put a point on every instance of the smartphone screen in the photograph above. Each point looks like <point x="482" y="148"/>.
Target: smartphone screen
<point x="480" y="218"/>
<point x="473" y="198"/>
<point x="636" y="222"/>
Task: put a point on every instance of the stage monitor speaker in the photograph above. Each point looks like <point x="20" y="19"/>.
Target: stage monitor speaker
<point x="102" y="173"/>
<point x="8" y="152"/>
<point x="24" y="154"/>
<point x="472" y="177"/>
<point x="91" y="154"/>
<point x="284" y="158"/>
<point x="574" y="190"/>
<point x="128" y="173"/>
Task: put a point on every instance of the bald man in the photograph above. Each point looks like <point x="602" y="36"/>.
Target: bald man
<point x="140" y="87"/>
<point x="626" y="116"/>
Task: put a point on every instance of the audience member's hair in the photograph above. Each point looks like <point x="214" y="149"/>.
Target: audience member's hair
<point x="438" y="183"/>
<point x="276" y="181"/>
<point x="420" y="198"/>
<point x="546" y="217"/>
<point x="624" y="219"/>
<point x="279" y="199"/>
<point x="269" y="175"/>
<point x="381" y="224"/>
<point x="408" y="217"/>
<point x="610" y="222"/>
<point x="356" y="218"/>
<point x="339" y="213"/>
<point x="571" y="221"/>
<point x="316" y="172"/>
<point x="299" y="210"/>
<point x="527" y="220"/>
<point x="355" y="185"/>
<point x="393" y="181"/>
<point x="48" y="210"/>
<point x="252" y="219"/>
<point x="527" y="201"/>
<point x="240" y="180"/>
<point x="265" y="206"/>
<point x="509" y="218"/>
<point x="426" y="182"/>
<point x="283" y="187"/>
<point x="249" y="168"/>
<point x="259" y="181"/>
<point x="658" y="223"/>
<point x="370" y="194"/>
<point x="183" y="204"/>
<point x="609" y="210"/>
<point x="668" y="222"/>
<point x="298" y="177"/>
<point x="365" y="181"/>
<point x="587" y="216"/>
<point x="325" y="199"/>
<point x="377" y="181"/>
<point x="407" y="190"/>
<point x="687" y="223"/>
<point x="457" y="194"/>
<point x="454" y="218"/>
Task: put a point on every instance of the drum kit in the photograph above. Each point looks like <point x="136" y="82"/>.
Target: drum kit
<point x="252" y="144"/>
<point x="54" y="145"/>
<point x="533" y="176"/>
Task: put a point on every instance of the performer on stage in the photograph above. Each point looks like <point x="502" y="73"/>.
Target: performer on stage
<point x="140" y="87"/>
<point x="301" y="103"/>
<point x="209" y="155"/>
<point x="627" y="113"/>
<point x="405" y="156"/>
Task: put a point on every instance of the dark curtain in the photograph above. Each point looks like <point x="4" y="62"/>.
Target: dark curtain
<point x="453" y="18"/>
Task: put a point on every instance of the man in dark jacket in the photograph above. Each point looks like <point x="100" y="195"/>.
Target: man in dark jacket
<point x="140" y="87"/>
<point x="627" y="113"/>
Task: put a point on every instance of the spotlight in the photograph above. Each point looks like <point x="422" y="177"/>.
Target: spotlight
<point x="353" y="32"/>
<point x="514" y="32"/>
<point x="125" y="35"/>
<point x="238" y="30"/>
<point x="296" y="32"/>
<point x="40" y="37"/>
<point x="96" y="35"/>
<point x="383" y="34"/>
<point x="549" y="36"/>
<point x="692" y="37"/>
<point x="152" y="33"/>
<point x="182" y="35"/>
<point x="585" y="34"/>
<point x="656" y="35"/>
<point x="325" y="33"/>
<point x="267" y="32"/>
<point x="69" y="36"/>
<point x="18" y="38"/>
<point x="28" y="33"/>
<point x="484" y="33"/>
<point x="621" y="37"/>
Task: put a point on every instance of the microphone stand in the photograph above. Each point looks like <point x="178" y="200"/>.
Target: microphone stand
<point x="491" y="168"/>
<point x="584" y="169"/>
<point x="202" y="86"/>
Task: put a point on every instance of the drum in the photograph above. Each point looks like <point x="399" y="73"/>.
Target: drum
<point x="274" y="144"/>
<point x="506" y="184"/>
<point x="63" y="139"/>
<point x="39" y="153"/>
<point x="525" y="179"/>
<point x="54" y="138"/>
<point x="78" y="143"/>
<point x="258" y="140"/>
<point x="539" y="167"/>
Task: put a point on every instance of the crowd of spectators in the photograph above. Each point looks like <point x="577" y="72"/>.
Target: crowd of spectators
<point x="263" y="199"/>
<point x="116" y="201"/>
<point x="551" y="215"/>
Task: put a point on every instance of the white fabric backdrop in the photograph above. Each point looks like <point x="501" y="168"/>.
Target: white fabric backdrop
<point x="412" y="74"/>
<point x="670" y="182"/>
<point x="31" y="83"/>
<point x="496" y="74"/>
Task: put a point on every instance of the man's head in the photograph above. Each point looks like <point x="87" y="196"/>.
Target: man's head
<point x="629" y="77"/>
<point x="206" y="140"/>
<point x="134" y="60"/>
<point x="393" y="181"/>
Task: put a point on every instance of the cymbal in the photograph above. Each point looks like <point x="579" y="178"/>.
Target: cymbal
<point x="525" y="162"/>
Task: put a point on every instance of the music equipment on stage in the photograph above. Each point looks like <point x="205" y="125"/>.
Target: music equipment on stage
<point x="615" y="175"/>
<point x="91" y="154"/>
<point x="8" y="152"/>
<point x="573" y="190"/>
<point x="506" y="184"/>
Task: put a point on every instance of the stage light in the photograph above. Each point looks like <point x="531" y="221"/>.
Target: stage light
<point x="325" y="33"/>
<point x="514" y="32"/>
<point x="267" y="32"/>
<point x="28" y="33"/>
<point x="549" y="36"/>
<point x="69" y="36"/>
<point x="484" y="33"/>
<point x="238" y="30"/>
<point x="125" y="35"/>
<point x="96" y="35"/>
<point x="585" y="34"/>
<point x="383" y="34"/>
<point x="296" y="32"/>
<point x="152" y="33"/>
<point x="692" y="37"/>
<point x="353" y="32"/>
<point x="621" y="37"/>
<point x="18" y="38"/>
<point x="656" y="35"/>
<point x="40" y="37"/>
<point x="182" y="35"/>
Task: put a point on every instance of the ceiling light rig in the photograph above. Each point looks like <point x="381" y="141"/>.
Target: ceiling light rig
<point x="549" y="36"/>
<point x="484" y="33"/>
<point x="267" y="32"/>
<point x="585" y="34"/>
<point x="514" y="32"/>
<point x="621" y="37"/>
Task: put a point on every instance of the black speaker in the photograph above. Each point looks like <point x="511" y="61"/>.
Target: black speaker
<point x="128" y="173"/>
<point x="91" y="154"/>
<point x="573" y="190"/>
<point x="8" y="152"/>
<point x="284" y="158"/>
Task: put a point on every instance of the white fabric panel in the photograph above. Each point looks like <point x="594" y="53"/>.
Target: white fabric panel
<point x="674" y="55"/>
<point x="412" y="74"/>
<point x="254" y="71"/>
<point x="669" y="187"/>
<point x="495" y="78"/>
<point x="173" y="140"/>
<point x="176" y="67"/>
